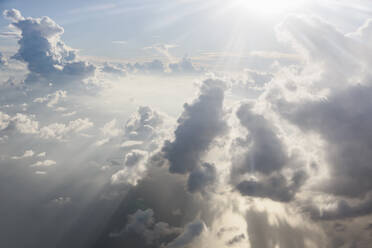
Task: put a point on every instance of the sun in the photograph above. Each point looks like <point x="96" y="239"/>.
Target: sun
<point x="270" y="6"/>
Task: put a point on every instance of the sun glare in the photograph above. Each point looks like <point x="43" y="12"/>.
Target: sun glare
<point x="270" y="6"/>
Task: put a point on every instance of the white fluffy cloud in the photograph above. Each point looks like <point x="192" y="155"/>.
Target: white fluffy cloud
<point x="46" y="55"/>
<point x="134" y="169"/>
<point x="52" y="99"/>
<point x="26" y="124"/>
<point x="44" y="163"/>
<point x="60" y="130"/>
<point x="143" y="134"/>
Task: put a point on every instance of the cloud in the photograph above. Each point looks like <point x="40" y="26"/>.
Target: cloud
<point x="62" y="201"/>
<point x="60" y="130"/>
<point x="344" y="122"/>
<point x="142" y="223"/>
<point x="326" y="97"/>
<point x="224" y="230"/>
<point x="52" y="99"/>
<point x="4" y="120"/>
<point x="284" y="233"/>
<point x="134" y="157"/>
<point x="144" y="132"/>
<point x="236" y="239"/>
<point x="13" y="15"/>
<point x="41" y="47"/>
<point x="41" y="172"/>
<point x="264" y="157"/>
<point x="109" y="131"/>
<point x="154" y="66"/>
<point x="200" y="123"/>
<point x="267" y="153"/>
<point x="340" y="209"/>
<point x="41" y="154"/>
<point x="44" y="163"/>
<point x="216" y="177"/>
<point x="184" y="66"/>
<point x="24" y="124"/>
<point x="163" y="49"/>
<point x="251" y="84"/>
<point x="115" y="70"/>
<point x="364" y="32"/>
<point x="135" y="168"/>
<point x="3" y="60"/>
<point x="201" y="177"/>
<point x="276" y="187"/>
<point x="339" y="57"/>
<point x="168" y="198"/>
<point x="69" y="114"/>
<point x="27" y="154"/>
<point x="120" y="42"/>
<point x="145" y="126"/>
<point x="191" y="232"/>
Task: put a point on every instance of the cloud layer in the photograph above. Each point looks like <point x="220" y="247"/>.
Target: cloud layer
<point x="278" y="157"/>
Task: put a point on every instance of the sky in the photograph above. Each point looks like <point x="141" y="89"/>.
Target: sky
<point x="186" y="124"/>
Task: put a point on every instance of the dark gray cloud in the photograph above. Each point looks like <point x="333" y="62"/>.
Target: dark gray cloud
<point x="142" y="224"/>
<point x="339" y="227"/>
<point x="200" y="123"/>
<point x="344" y="122"/>
<point x="340" y="116"/>
<point x="368" y="227"/>
<point x="341" y="209"/>
<point x="200" y="177"/>
<point x="276" y="187"/>
<point x="235" y="240"/>
<point x="224" y="230"/>
<point x="46" y="55"/>
<point x="191" y="232"/>
<point x="267" y="153"/>
<point x="158" y="199"/>
<point x="265" y="157"/>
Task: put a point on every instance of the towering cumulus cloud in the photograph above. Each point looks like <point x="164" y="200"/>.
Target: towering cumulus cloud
<point x="266" y="158"/>
<point x="200" y="123"/>
<point x="46" y="55"/>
